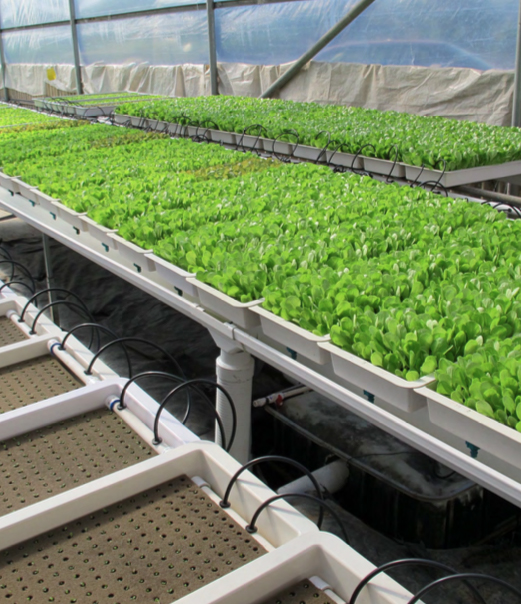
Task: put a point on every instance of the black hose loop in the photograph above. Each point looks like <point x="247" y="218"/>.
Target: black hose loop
<point x="50" y="290"/>
<point x="281" y="459"/>
<point x="282" y="157"/>
<point x="6" y="254"/>
<point x="251" y="528"/>
<point x="389" y="178"/>
<point x="434" y="184"/>
<point x="16" y="282"/>
<point x="135" y="340"/>
<point x="246" y="132"/>
<point x="79" y="309"/>
<point x="442" y="172"/>
<point x="359" y="152"/>
<point x="168" y="376"/>
<point x="417" y="179"/>
<point x="102" y="328"/>
<point x="191" y="383"/>
<point x="408" y="562"/>
<point x="326" y="146"/>
<point x="461" y="577"/>
<point x="14" y="264"/>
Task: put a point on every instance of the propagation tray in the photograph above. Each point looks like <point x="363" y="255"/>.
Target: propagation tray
<point x="372" y="165"/>
<point x="413" y="427"/>
<point x="170" y="505"/>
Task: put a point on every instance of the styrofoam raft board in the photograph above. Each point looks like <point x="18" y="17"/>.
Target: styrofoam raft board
<point x="329" y="562"/>
<point x="384" y="385"/>
<point x="497" y="439"/>
<point x="205" y="462"/>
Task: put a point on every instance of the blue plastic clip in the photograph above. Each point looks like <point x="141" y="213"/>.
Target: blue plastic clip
<point x="473" y="450"/>
<point x="292" y="353"/>
<point x="369" y="396"/>
<point x="105" y="247"/>
<point x="138" y="268"/>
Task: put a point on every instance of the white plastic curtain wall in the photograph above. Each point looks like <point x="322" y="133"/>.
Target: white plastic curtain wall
<point x="478" y="34"/>
<point x="50" y="45"/>
<point x="101" y="8"/>
<point x="171" y="39"/>
<point x="15" y="13"/>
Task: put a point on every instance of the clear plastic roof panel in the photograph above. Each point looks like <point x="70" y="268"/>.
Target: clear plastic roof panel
<point x="171" y="39"/>
<point x="32" y="12"/>
<point x="49" y="45"/>
<point x="102" y="8"/>
<point x="272" y="34"/>
<point x="479" y="34"/>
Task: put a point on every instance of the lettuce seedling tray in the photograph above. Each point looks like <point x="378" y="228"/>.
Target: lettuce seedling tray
<point x="69" y="216"/>
<point x="138" y="256"/>
<point x="311" y="563"/>
<point x="175" y="276"/>
<point x="27" y="191"/>
<point x="226" y="138"/>
<point x="464" y="177"/>
<point x="5" y="180"/>
<point x="206" y="464"/>
<point x="384" y="167"/>
<point x="99" y="232"/>
<point x="468" y="425"/>
<point x="384" y="385"/>
<point x="46" y="201"/>
<point x="292" y="336"/>
<point x="214" y="301"/>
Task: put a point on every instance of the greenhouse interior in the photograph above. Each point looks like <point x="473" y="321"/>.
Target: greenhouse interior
<point x="260" y="301"/>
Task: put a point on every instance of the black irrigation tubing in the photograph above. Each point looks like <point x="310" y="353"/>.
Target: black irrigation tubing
<point x="99" y="328"/>
<point x="16" y="282"/>
<point x="169" y="376"/>
<point x="226" y="446"/>
<point x="434" y="184"/>
<point x="246" y="132"/>
<point x="357" y="155"/>
<point x="14" y="264"/>
<point x="51" y="290"/>
<point x="409" y="562"/>
<point x="284" y="157"/>
<point x="324" y="150"/>
<point x="417" y="179"/>
<point x="79" y="309"/>
<point x="268" y="458"/>
<point x="135" y="340"/>
<point x="464" y="576"/>
<point x="389" y="178"/>
<point x="7" y="255"/>
<point x="251" y="528"/>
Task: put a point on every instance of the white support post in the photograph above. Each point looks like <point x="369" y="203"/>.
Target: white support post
<point x="235" y="375"/>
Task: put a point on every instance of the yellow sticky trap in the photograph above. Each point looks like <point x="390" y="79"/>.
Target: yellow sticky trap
<point x="51" y="74"/>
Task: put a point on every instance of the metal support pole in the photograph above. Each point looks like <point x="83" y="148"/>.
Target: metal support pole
<point x="235" y="375"/>
<point x="76" y="48"/>
<point x="358" y="9"/>
<point x="212" y="46"/>
<point x="49" y="275"/>
<point x="2" y="65"/>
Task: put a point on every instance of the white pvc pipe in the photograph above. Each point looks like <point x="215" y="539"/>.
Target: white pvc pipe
<point x="235" y="374"/>
<point x="331" y="478"/>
